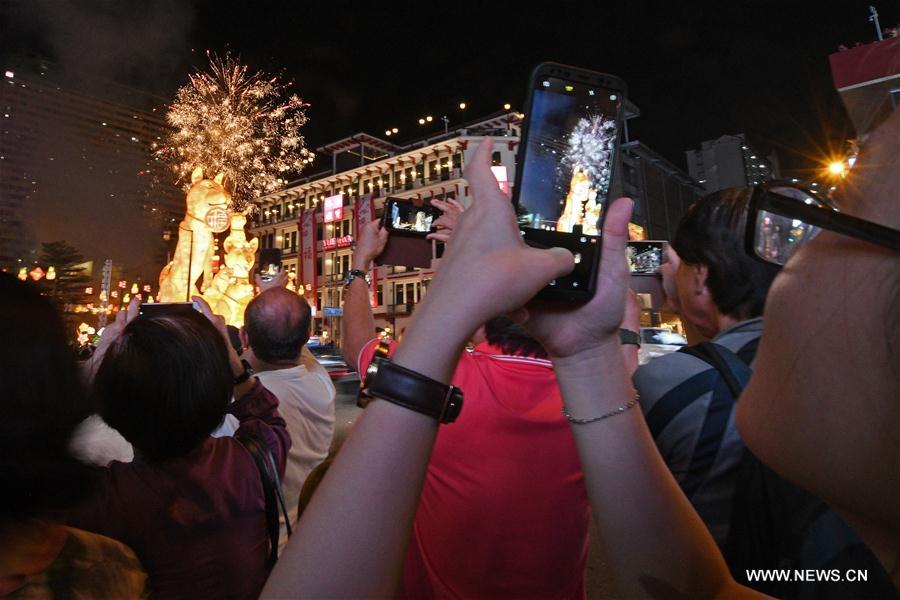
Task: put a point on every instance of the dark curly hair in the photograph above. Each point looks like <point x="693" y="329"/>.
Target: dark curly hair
<point x="712" y="234"/>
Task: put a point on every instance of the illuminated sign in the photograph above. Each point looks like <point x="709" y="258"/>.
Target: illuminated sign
<point x="334" y="208"/>
<point x="502" y="178"/>
<point x="341" y="242"/>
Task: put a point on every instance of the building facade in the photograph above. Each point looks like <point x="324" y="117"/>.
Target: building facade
<point x="427" y="169"/>
<point x="365" y="166"/>
<point x="661" y="191"/>
<point x="729" y="161"/>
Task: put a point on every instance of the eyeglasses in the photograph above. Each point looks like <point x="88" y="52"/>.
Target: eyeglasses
<point x="782" y="218"/>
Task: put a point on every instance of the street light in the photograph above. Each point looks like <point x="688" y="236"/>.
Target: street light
<point x="507" y="106"/>
<point x="462" y="106"/>
<point x="837" y="168"/>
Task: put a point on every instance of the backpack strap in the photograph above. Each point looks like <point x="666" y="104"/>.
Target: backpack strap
<point x="726" y="380"/>
<point x="272" y="491"/>
<point x="730" y="366"/>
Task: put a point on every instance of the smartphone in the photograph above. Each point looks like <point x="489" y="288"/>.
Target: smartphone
<point x="644" y="261"/>
<point x="645" y="257"/>
<point x="565" y="167"/>
<point x="269" y="263"/>
<point x="162" y="309"/>
<point x="408" y="216"/>
<point x="408" y="222"/>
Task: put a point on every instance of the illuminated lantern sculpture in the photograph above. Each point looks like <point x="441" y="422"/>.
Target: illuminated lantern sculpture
<point x="231" y="289"/>
<point x="193" y="253"/>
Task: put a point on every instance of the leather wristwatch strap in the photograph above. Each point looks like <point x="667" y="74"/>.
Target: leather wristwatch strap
<point x="411" y="390"/>
<point x="247" y="374"/>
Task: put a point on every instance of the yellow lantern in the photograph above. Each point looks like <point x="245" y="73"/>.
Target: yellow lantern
<point x="23" y="273"/>
<point x="134" y="288"/>
<point x="51" y="273"/>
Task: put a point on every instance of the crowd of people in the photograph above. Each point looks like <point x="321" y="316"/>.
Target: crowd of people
<point x="493" y="433"/>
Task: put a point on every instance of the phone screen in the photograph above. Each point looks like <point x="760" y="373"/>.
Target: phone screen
<point x="269" y="263"/>
<point x="567" y="171"/>
<point x="645" y="257"/>
<point x="406" y="216"/>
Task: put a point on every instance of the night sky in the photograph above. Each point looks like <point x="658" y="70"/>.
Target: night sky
<point x="697" y="70"/>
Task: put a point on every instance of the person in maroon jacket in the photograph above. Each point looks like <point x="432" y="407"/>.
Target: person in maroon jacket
<point x="190" y="505"/>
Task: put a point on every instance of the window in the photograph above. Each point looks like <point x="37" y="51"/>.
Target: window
<point x="433" y="170"/>
<point x="386" y="182"/>
<point x="271" y="241"/>
<point x="399" y="293"/>
<point x="457" y="162"/>
<point x="319" y="231"/>
<point x="379" y="294"/>
<point x="496" y="159"/>
<point x="408" y="176"/>
<point x="319" y="267"/>
<point x="293" y="241"/>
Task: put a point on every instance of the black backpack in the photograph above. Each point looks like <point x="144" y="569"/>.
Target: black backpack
<point x="776" y="525"/>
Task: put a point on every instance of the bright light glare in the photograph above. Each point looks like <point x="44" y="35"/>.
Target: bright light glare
<point x="837" y="167"/>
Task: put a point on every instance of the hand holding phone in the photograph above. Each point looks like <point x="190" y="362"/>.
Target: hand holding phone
<point x="565" y="168"/>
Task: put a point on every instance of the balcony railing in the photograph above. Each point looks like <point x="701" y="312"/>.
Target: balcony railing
<point x="399" y="309"/>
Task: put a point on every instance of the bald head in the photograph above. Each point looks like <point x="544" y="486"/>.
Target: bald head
<point x="277" y="325"/>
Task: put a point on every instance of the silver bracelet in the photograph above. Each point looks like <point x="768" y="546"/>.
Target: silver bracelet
<point x="612" y="413"/>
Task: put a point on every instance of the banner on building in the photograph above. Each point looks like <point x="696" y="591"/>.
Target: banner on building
<point x="365" y="214"/>
<point x="308" y="256"/>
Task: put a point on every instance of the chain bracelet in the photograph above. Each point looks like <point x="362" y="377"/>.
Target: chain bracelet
<point x="622" y="409"/>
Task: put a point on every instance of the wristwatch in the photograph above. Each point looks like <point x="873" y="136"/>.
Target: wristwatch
<point x="626" y="336"/>
<point x="354" y="274"/>
<point x="247" y="374"/>
<point x="399" y="385"/>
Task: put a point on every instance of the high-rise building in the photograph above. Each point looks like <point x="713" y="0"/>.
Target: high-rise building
<point x="729" y="161"/>
<point x="62" y="146"/>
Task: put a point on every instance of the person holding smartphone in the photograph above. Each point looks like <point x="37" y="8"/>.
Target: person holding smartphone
<point x="510" y="444"/>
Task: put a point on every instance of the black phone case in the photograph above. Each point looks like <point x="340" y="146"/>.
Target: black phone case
<point x="581" y="284"/>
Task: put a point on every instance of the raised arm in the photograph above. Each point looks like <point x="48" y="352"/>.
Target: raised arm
<point x="351" y="541"/>
<point x="656" y="543"/>
<point x="358" y="323"/>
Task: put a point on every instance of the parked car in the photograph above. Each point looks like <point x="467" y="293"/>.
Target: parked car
<point x="334" y="363"/>
<point x="657" y="341"/>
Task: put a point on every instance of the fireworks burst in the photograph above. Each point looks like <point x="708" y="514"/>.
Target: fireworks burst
<point x="245" y="125"/>
<point x="589" y="147"/>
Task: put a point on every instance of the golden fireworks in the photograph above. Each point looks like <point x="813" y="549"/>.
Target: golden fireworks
<point x="245" y="125"/>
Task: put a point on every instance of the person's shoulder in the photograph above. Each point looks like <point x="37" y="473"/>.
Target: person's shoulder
<point x="661" y="374"/>
<point x="92" y="565"/>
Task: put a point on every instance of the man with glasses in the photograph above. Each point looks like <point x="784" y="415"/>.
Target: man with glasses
<point x="720" y="291"/>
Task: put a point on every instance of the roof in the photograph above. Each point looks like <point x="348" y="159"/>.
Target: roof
<point x="356" y="140"/>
